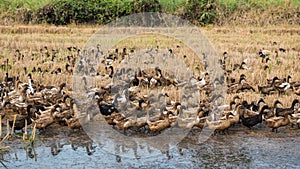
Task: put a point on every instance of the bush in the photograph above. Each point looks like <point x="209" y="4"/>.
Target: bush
<point x="92" y="11"/>
<point x="146" y="6"/>
<point x="201" y="12"/>
<point x="23" y="15"/>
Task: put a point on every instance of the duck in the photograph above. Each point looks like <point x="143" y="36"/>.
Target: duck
<point x="106" y="109"/>
<point x="110" y="119"/>
<point x="66" y="112"/>
<point x="46" y="112"/>
<point x="221" y="125"/>
<point x="282" y="87"/>
<point x="30" y="89"/>
<point x="20" y="121"/>
<point x="263" y="53"/>
<point x="282" y="50"/>
<point x="252" y="120"/>
<point x="295" y="84"/>
<point x="244" y="86"/>
<point x="132" y="123"/>
<point x="266" y="90"/>
<point x="198" y="123"/>
<point x="110" y="69"/>
<point x="235" y="119"/>
<point x="46" y="118"/>
<point x="73" y="123"/>
<point x="266" y="66"/>
<point x="136" y="123"/>
<point x="43" y="122"/>
<point x="244" y="66"/>
<point x="159" y="125"/>
<point x="120" y="124"/>
<point x="186" y="123"/>
<point x="282" y="111"/>
<point x="135" y="81"/>
<point x="256" y="106"/>
<point x="295" y="119"/>
<point x="76" y="121"/>
<point x="276" y="122"/>
<point x="297" y="92"/>
<point x="8" y="79"/>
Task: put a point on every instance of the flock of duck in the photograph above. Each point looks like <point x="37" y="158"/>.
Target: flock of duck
<point x="24" y="103"/>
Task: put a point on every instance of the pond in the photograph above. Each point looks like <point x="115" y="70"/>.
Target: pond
<point x="241" y="147"/>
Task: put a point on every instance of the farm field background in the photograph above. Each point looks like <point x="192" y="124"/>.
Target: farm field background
<point x="44" y="71"/>
<point x="239" y="42"/>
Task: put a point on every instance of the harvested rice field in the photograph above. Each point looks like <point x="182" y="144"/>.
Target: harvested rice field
<point x="68" y="105"/>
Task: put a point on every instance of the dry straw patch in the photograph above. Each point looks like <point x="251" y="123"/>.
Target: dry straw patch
<point x="240" y="43"/>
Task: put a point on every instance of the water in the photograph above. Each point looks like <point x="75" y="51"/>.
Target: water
<point x="242" y="148"/>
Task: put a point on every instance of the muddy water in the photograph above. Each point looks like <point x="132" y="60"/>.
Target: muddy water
<point x="243" y="148"/>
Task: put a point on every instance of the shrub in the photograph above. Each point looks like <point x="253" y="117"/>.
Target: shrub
<point x="92" y="11"/>
<point x="201" y="12"/>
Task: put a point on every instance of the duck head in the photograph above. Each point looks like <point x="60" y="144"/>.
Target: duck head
<point x="276" y="103"/>
<point x="295" y="101"/>
<point x="261" y="100"/>
<point x="265" y="107"/>
<point x="29" y="76"/>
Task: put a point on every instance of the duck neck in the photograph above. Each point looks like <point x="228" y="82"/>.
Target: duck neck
<point x="273" y="81"/>
<point x="111" y="72"/>
<point x="140" y="104"/>
<point x="259" y="101"/>
<point x="159" y="73"/>
<point x="179" y="112"/>
<point x="262" y="111"/>
<point x="276" y="103"/>
<point x="288" y="79"/>
<point x="28" y="114"/>
<point x="115" y="101"/>
<point x="167" y="116"/>
<point x="293" y="104"/>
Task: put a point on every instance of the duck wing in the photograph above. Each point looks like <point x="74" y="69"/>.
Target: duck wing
<point x="251" y="120"/>
<point x="107" y="109"/>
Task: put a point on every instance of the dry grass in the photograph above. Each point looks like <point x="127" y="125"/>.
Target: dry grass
<point x="240" y="43"/>
<point x="244" y="43"/>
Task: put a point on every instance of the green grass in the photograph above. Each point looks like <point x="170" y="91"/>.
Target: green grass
<point x="233" y="4"/>
<point x="177" y="7"/>
<point x="171" y="6"/>
<point x="168" y="6"/>
<point x="12" y="5"/>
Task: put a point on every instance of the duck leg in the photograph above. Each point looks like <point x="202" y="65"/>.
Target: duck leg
<point x="13" y="126"/>
<point x="25" y="137"/>
<point x="7" y="133"/>
<point x="227" y="131"/>
<point x="32" y="137"/>
<point x="0" y="127"/>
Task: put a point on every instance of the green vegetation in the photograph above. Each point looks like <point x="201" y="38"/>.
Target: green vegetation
<point x="234" y="4"/>
<point x="201" y="12"/>
<point x="172" y="6"/>
<point x="12" y="5"/>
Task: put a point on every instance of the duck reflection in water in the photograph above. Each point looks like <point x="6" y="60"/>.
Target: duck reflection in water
<point x="90" y="149"/>
<point x="30" y="152"/>
<point x="56" y="148"/>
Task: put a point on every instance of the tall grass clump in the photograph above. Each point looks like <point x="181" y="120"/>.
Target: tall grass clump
<point x="92" y="11"/>
<point x="258" y="12"/>
<point x="172" y="6"/>
<point x="200" y="12"/>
